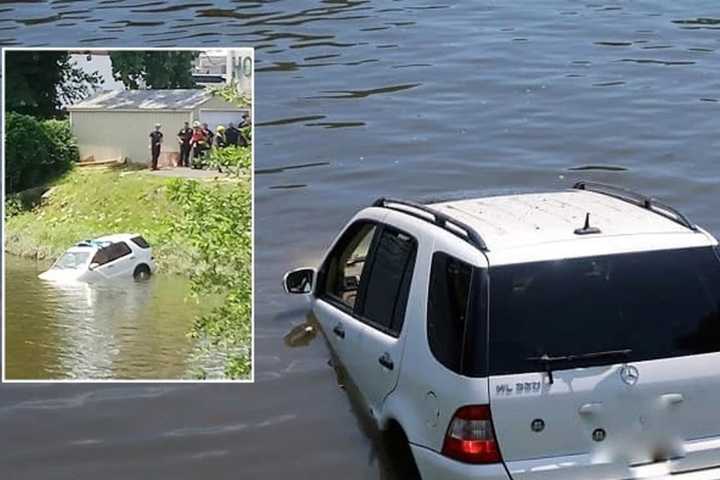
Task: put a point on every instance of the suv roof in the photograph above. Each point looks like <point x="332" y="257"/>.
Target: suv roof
<point x="501" y="224"/>
<point x="117" y="237"/>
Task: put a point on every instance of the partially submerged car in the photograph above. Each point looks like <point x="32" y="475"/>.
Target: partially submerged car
<point x="552" y="336"/>
<point x="112" y="256"/>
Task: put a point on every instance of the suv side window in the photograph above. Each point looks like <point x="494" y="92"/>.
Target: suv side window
<point x="120" y="250"/>
<point x="448" y="309"/>
<point x="345" y="267"/>
<point x="111" y="253"/>
<point x="102" y="256"/>
<point x="388" y="282"/>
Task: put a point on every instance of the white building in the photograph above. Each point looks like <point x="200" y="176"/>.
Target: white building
<point x="226" y="66"/>
<point x="116" y="125"/>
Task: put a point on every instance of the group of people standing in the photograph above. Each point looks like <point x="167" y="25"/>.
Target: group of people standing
<point x="199" y="139"/>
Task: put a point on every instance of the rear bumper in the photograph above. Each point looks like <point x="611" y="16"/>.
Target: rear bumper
<point x="706" y="474"/>
<point x="434" y="466"/>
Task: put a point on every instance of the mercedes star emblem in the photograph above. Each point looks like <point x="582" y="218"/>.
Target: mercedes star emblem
<point x="629" y="374"/>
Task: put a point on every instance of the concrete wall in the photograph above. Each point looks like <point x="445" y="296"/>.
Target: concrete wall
<point x="107" y="135"/>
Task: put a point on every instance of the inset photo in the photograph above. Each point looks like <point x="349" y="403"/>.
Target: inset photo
<point x="128" y="234"/>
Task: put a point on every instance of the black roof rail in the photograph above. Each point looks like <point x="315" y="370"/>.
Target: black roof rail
<point x="638" y="199"/>
<point x="456" y="227"/>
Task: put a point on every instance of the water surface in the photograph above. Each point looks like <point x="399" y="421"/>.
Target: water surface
<point x="418" y="99"/>
<point x="122" y="330"/>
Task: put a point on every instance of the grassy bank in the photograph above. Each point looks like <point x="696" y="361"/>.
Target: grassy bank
<point x="89" y="203"/>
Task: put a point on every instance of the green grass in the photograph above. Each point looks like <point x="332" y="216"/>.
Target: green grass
<point x="89" y="203"/>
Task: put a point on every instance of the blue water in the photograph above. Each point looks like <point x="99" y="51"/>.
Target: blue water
<point x="355" y="100"/>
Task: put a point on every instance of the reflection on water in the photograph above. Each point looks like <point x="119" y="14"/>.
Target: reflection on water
<point x="416" y="99"/>
<point x="115" y="330"/>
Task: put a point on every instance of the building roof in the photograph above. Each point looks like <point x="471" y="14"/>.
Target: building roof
<point x="186" y="99"/>
<point x="530" y="220"/>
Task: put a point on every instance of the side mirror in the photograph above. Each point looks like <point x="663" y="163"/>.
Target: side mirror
<point x="93" y="266"/>
<point x="300" y="281"/>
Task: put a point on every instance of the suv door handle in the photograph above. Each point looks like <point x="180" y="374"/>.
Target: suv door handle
<point x="591" y="408"/>
<point x="672" y="398"/>
<point x="386" y="361"/>
<point x="339" y="330"/>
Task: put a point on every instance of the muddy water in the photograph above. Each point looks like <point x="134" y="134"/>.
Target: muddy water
<point x="358" y="99"/>
<point x="118" y="330"/>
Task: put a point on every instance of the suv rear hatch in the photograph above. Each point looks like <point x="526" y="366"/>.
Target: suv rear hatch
<point x="607" y="367"/>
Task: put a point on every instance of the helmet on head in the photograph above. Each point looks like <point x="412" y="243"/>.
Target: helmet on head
<point x="196" y="123"/>
<point x="221" y="128"/>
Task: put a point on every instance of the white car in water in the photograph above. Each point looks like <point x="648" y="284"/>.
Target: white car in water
<point x="112" y="256"/>
<point x="554" y="336"/>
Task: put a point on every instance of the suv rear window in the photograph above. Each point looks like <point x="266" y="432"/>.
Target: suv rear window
<point x="658" y="304"/>
<point x="140" y="242"/>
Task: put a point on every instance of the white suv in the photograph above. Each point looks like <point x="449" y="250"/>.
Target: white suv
<point x="570" y="335"/>
<point x="121" y="255"/>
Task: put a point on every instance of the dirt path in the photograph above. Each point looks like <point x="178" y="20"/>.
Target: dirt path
<point x="186" y="172"/>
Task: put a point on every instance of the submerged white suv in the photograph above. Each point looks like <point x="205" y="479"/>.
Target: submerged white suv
<point x="561" y="336"/>
<point x="113" y="256"/>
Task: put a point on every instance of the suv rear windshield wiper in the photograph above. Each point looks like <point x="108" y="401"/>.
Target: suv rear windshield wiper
<point x="548" y="361"/>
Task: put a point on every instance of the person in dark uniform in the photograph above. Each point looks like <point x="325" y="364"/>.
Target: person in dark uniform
<point x="232" y="135"/>
<point x="245" y="120"/>
<point x="184" y="136"/>
<point x="208" y="133"/>
<point x="156" y="139"/>
<point x="244" y="125"/>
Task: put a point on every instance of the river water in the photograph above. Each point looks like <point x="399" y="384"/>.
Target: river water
<point x="354" y="100"/>
<point x="119" y="330"/>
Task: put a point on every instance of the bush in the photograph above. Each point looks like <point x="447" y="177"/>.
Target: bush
<point x="217" y="222"/>
<point x="65" y="149"/>
<point x="233" y="160"/>
<point x="36" y="152"/>
<point x="13" y="206"/>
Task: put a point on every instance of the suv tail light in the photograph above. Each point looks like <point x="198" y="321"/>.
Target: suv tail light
<point x="470" y="438"/>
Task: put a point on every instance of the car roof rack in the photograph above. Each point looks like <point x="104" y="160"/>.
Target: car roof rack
<point x="423" y="212"/>
<point x="639" y="200"/>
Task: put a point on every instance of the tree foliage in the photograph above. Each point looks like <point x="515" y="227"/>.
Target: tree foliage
<point x="36" y="152"/>
<point x="153" y="69"/>
<point x="217" y="219"/>
<point x="231" y="93"/>
<point x="38" y="82"/>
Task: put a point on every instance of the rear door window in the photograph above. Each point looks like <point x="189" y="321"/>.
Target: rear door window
<point x="658" y="304"/>
<point x="112" y="253"/>
<point x="388" y="283"/>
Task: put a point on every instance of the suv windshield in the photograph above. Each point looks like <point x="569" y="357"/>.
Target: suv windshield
<point x="653" y="304"/>
<point x="72" y="260"/>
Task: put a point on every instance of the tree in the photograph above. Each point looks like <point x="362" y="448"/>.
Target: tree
<point x="39" y="82"/>
<point x="36" y="151"/>
<point x="154" y="69"/>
